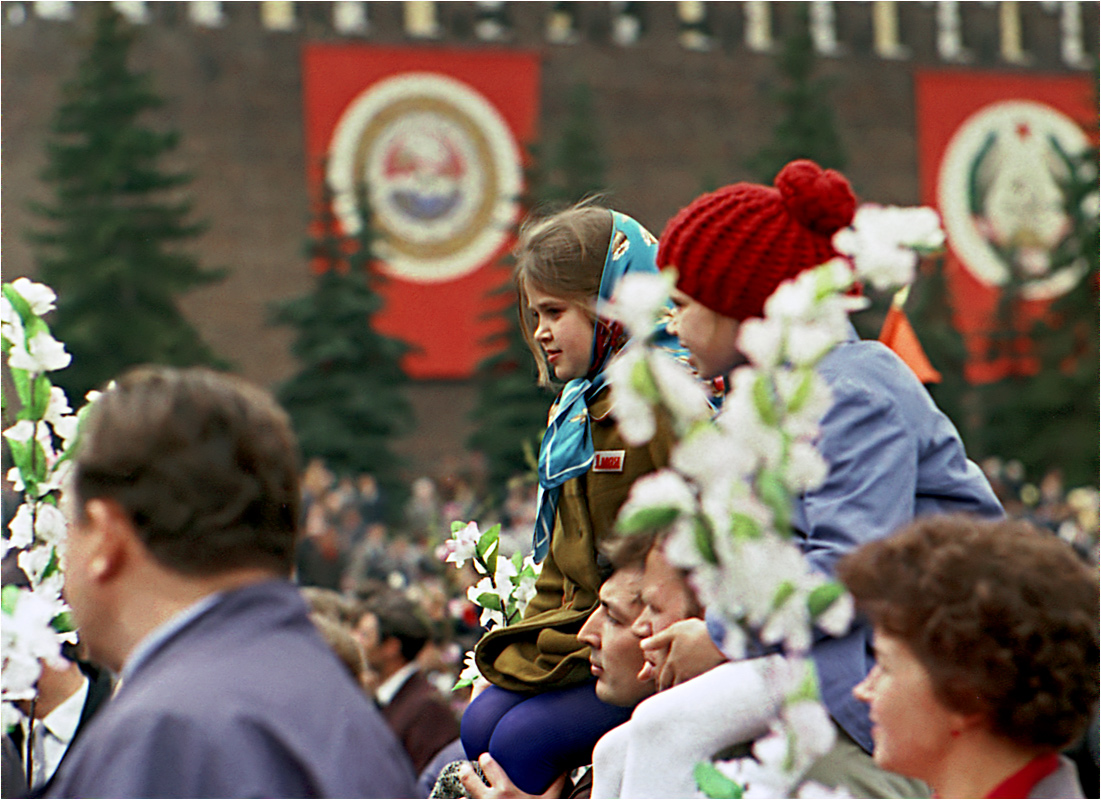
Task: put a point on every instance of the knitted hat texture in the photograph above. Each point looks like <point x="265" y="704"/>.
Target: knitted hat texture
<point x="733" y="247"/>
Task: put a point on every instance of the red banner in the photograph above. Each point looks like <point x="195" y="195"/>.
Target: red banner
<point x="438" y="136"/>
<point x="993" y="159"/>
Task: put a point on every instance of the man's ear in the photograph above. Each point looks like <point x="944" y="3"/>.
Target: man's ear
<point x="113" y="537"/>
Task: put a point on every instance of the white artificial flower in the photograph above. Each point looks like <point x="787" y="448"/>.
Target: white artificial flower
<point x="39" y="296"/>
<point x="813" y="394"/>
<point x="464" y="543"/>
<point x="22" y="431"/>
<point x="805" y="468"/>
<point x="710" y="455"/>
<point x="43" y="353"/>
<point x="809" y="341"/>
<point x="762" y="341"/>
<point x="639" y="301"/>
<point x="664" y="488"/>
<point x="15" y="478"/>
<point x="793" y="299"/>
<point x="60" y="415"/>
<point x="11" y="324"/>
<point x="34" y="561"/>
<point x="883" y="242"/>
<point x="470" y="668"/>
<point x="490" y="617"/>
<point x="49" y="523"/>
<point x="835" y="620"/>
<point x="633" y="410"/>
<point x="682" y="393"/>
<point x="525" y="591"/>
<point x="22" y="526"/>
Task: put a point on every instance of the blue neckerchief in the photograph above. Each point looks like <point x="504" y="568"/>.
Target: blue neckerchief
<point x="567" y="448"/>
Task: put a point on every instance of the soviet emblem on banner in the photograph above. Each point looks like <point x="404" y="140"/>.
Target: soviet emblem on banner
<point x="443" y="170"/>
<point x="1002" y="192"/>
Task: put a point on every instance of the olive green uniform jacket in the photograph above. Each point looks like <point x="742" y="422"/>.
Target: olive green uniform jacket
<point x="541" y="651"/>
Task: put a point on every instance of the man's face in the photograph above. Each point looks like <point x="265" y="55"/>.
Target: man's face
<point x="666" y="596"/>
<point x="615" y="655"/>
<point x="366" y="631"/>
<point x="80" y="588"/>
<point x="710" y="338"/>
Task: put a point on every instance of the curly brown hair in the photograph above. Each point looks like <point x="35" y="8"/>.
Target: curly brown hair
<point x="1003" y="615"/>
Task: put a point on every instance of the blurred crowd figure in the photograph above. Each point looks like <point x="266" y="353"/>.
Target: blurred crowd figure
<point x="350" y="550"/>
<point x="1073" y="514"/>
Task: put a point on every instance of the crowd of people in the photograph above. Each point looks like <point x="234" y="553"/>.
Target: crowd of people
<point x="272" y="632"/>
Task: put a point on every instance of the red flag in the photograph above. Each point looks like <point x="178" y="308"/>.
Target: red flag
<point x="993" y="154"/>
<point x="898" y="334"/>
<point x="438" y="135"/>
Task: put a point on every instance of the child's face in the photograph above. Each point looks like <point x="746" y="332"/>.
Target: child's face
<point x="710" y="338"/>
<point x="564" y="329"/>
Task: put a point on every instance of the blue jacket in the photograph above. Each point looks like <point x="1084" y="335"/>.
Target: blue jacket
<point x="892" y="456"/>
<point x="244" y="700"/>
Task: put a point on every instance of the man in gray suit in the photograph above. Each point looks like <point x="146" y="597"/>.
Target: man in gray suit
<point x="183" y="512"/>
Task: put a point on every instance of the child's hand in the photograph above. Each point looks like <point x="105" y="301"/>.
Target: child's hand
<point x="497" y="783"/>
<point x="680" y="652"/>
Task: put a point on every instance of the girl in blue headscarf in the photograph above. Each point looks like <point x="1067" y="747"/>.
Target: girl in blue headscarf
<point x="544" y="711"/>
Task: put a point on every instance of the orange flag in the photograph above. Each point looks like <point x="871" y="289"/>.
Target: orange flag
<point x="898" y="334"/>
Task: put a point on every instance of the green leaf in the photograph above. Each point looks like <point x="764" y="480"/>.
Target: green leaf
<point x="822" y="597"/>
<point x="18" y="302"/>
<point x="462" y="683"/>
<point x="40" y="399"/>
<point x="9" y="597"/>
<point x="457" y="526"/>
<point x="743" y="526"/>
<point x="63" y="622"/>
<point x="490" y="601"/>
<point x="53" y="566"/>
<point x="705" y="540"/>
<point x="713" y="783"/>
<point x="802" y="392"/>
<point x="653" y="518"/>
<point x="765" y="400"/>
<point x="642" y="381"/>
<point x="770" y="488"/>
<point x="22" y="380"/>
<point x="784" y="591"/>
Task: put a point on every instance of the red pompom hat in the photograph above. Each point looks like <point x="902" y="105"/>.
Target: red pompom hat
<point x="733" y="247"/>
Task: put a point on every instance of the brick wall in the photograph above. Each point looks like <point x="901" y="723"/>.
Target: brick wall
<point x="671" y="119"/>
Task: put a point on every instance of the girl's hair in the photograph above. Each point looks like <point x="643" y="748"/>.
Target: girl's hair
<point x="563" y="255"/>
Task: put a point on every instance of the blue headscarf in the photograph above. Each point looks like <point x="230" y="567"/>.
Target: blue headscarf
<point x="567" y="448"/>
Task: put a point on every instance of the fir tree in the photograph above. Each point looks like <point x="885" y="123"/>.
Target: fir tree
<point x="576" y="167"/>
<point x="113" y="228"/>
<point x="806" y="129"/>
<point x="347" y="402"/>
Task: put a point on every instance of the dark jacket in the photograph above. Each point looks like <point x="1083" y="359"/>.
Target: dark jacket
<point x="541" y="651"/>
<point x="244" y="700"/>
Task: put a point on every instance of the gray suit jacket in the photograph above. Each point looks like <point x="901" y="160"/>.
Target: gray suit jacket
<point x="245" y="700"/>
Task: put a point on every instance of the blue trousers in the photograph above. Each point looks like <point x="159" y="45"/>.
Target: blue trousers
<point x="537" y="737"/>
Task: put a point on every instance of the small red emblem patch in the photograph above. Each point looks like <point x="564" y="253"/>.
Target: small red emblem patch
<point x="608" y="461"/>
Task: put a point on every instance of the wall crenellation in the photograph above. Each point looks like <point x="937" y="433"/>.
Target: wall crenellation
<point x="1048" y="35"/>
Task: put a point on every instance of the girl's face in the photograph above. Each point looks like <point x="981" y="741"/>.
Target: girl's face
<point x="564" y="329"/>
<point x="911" y="728"/>
<point x="710" y="338"/>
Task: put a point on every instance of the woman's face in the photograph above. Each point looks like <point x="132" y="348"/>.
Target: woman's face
<point x="564" y="329"/>
<point x="710" y="338"/>
<point x="911" y="729"/>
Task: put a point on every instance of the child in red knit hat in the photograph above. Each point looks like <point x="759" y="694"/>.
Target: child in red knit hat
<point x="892" y="455"/>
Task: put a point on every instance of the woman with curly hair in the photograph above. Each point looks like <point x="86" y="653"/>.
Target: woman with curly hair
<point x="986" y="642"/>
